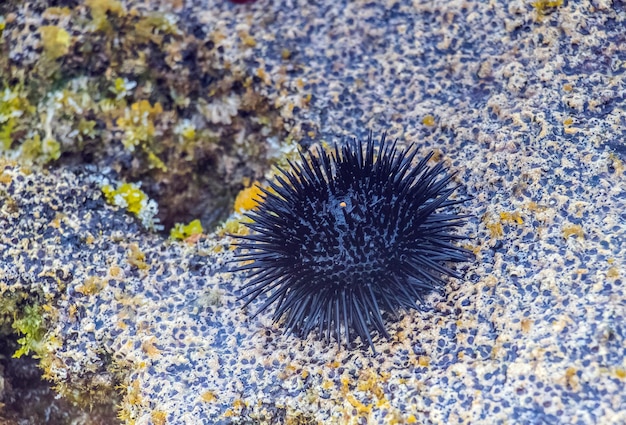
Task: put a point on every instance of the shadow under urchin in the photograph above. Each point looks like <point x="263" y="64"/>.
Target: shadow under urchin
<point x="346" y="235"/>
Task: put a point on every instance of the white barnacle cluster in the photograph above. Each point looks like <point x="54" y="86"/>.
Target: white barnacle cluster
<point x="148" y="215"/>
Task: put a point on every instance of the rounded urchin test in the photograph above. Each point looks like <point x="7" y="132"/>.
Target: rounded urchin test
<point x="346" y="235"/>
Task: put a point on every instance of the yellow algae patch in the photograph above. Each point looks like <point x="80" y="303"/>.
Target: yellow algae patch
<point x="182" y="231"/>
<point x="128" y="195"/>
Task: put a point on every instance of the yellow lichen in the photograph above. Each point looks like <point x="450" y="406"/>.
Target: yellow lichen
<point x="234" y="227"/>
<point x="54" y="12"/>
<point x="138" y="123"/>
<point x="99" y="11"/>
<point x="31" y="326"/>
<point x="153" y="26"/>
<point x="543" y="6"/>
<point x="154" y="160"/>
<point x="13" y="106"/>
<point x="56" y="41"/>
<point x="37" y="150"/>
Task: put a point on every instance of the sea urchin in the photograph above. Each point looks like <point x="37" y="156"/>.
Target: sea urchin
<point x="348" y="234"/>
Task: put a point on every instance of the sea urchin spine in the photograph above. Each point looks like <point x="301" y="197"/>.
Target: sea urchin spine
<point x="346" y="235"/>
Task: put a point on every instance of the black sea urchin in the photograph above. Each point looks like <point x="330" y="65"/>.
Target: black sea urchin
<point x="347" y="234"/>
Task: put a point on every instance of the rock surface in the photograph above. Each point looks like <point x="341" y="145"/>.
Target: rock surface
<point x="524" y="101"/>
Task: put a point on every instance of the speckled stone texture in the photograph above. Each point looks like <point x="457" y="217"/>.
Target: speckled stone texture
<point x="525" y="103"/>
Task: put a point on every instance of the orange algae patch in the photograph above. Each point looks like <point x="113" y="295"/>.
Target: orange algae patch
<point x="248" y="198"/>
<point x="428" y="120"/>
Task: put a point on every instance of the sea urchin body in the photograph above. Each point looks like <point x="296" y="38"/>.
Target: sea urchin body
<point x="346" y="235"/>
